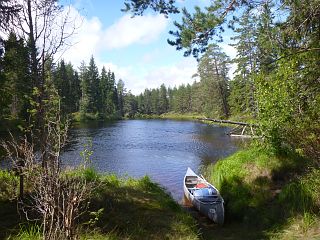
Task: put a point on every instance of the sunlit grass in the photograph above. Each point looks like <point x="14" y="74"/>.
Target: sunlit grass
<point x="181" y="116"/>
<point x="28" y="232"/>
<point x="263" y="189"/>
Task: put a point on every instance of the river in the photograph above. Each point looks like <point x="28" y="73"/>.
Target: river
<point x="161" y="149"/>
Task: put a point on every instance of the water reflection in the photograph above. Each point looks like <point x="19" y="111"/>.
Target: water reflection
<point x="162" y="149"/>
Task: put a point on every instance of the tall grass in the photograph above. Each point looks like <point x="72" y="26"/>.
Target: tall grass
<point x="268" y="190"/>
<point x="303" y="194"/>
<point x="28" y="232"/>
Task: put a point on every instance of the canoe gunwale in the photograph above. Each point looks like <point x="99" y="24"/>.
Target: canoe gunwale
<point x="212" y="209"/>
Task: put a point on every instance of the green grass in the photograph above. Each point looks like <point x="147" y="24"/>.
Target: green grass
<point x="138" y="209"/>
<point x="181" y="116"/>
<point x="268" y="192"/>
<point x="28" y="232"/>
<point x="119" y="209"/>
<point x="267" y="196"/>
<point x="87" y="117"/>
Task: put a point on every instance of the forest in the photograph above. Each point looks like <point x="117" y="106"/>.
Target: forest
<point x="276" y="85"/>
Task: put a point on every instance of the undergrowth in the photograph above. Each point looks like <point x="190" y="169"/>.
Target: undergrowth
<point x="275" y="193"/>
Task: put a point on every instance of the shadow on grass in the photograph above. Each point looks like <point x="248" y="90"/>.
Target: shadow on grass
<point x="9" y="219"/>
<point x="140" y="210"/>
<point x="255" y="208"/>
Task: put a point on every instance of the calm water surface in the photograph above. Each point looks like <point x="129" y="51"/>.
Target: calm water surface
<point x="161" y="149"/>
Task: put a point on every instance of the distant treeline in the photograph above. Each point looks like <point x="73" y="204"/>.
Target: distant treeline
<point x="95" y="94"/>
<point x="87" y="91"/>
<point x="276" y="82"/>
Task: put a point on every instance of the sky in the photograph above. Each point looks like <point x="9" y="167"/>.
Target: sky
<point x="135" y="49"/>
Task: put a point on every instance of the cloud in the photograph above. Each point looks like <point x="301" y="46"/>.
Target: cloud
<point x="140" y="29"/>
<point x="173" y="75"/>
<point x="91" y="38"/>
<point x="86" y="39"/>
<point x="232" y="53"/>
<point x="138" y="78"/>
<point x="229" y="50"/>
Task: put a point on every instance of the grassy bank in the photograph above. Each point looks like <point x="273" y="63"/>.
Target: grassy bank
<point x="267" y="196"/>
<point x="87" y="117"/>
<point x="78" y="117"/>
<point x="119" y="209"/>
<point x="180" y="116"/>
<point x="276" y="196"/>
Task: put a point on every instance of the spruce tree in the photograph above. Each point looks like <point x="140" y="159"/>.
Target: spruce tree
<point x="93" y="87"/>
<point x="17" y="83"/>
<point x="163" y="99"/>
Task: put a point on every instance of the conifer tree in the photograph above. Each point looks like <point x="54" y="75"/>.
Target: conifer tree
<point x="93" y="87"/>
<point x="17" y="84"/>
<point x="213" y="73"/>
<point x="163" y="99"/>
<point x="84" y="83"/>
<point x="121" y="93"/>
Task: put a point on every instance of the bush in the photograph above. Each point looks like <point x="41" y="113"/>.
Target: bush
<point x="9" y="183"/>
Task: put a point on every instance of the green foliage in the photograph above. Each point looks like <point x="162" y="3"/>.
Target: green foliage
<point x="29" y="232"/>
<point x="287" y="102"/>
<point x="138" y="7"/>
<point x="16" y="84"/>
<point x="9" y="183"/>
<point x="302" y="194"/>
<point x="263" y="189"/>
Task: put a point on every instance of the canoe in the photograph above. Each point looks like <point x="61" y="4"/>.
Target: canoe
<point x="204" y="196"/>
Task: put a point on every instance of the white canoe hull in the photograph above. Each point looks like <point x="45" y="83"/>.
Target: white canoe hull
<point x="213" y="208"/>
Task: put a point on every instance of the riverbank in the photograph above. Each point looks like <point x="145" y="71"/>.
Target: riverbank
<point x="277" y="196"/>
<point x="119" y="209"/>
<point x="267" y="196"/>
<point x="77" y="117"/>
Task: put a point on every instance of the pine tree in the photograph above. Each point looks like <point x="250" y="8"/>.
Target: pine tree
<point x="242" y="100"/>
<point x="75" y="88"/>
<point x="63" y="85"/>
<point x="104" y="90"/>
<point x="213" y="73"/>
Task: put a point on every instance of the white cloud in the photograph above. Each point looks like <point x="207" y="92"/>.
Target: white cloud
<point x="175" y="75"/>
<point x="229" y="50"/>
<point x="92" y="39"/>
<point x="137" y="79"/>
<point x="140" y="29"/>
<point x="86" y="39"/>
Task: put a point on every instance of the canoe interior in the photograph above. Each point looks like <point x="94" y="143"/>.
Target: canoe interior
<point x="192" y="183"/>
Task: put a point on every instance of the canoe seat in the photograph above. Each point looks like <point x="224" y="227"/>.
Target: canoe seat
<point x="191" y="181"/>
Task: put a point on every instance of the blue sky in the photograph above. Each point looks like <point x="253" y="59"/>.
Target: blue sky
<point x="136" y="49"/>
